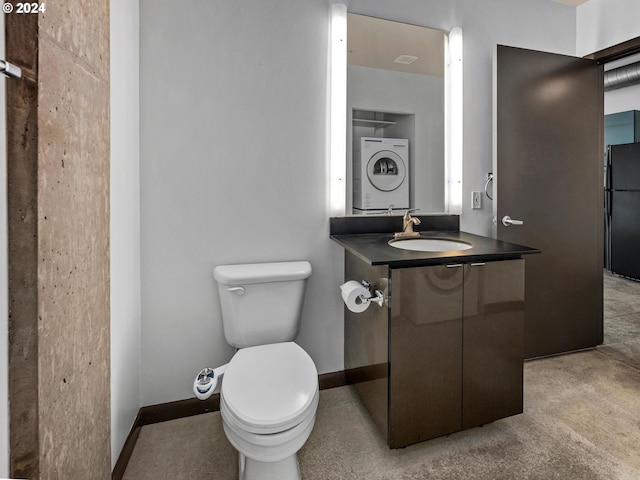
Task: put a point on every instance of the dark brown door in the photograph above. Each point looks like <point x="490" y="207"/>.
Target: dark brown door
<point x="549" y="174"/>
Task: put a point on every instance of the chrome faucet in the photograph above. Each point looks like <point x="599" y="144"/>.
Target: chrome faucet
<point x="407" y="225"/>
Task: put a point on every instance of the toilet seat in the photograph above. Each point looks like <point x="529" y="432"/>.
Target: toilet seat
<point x="270" y="388"/>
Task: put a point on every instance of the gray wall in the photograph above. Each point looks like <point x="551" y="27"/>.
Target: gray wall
<point x="233" y="169"/>
<point x="603" y="23"/>
<point x="233" y="156"/>
<point x="125" y="221"/>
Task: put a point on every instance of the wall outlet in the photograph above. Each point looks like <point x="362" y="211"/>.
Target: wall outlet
<point x="476" y="200"/>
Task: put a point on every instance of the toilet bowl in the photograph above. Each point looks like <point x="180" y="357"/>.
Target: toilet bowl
<point x="268" y="404"/>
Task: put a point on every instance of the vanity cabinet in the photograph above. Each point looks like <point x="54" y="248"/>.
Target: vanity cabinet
<point x="453" y="347"/>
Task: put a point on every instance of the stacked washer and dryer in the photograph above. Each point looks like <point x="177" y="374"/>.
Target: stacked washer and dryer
<point x="380" y="174"/>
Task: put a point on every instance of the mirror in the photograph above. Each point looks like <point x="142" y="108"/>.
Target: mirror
<point x="395" y="117"/>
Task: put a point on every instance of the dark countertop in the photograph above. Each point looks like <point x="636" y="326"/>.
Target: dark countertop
<point x="374" y="249"/>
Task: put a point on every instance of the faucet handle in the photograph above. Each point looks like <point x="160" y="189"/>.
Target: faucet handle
<point x="409" y="219"/>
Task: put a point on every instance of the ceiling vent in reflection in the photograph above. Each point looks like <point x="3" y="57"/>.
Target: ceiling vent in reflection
<point x="622" y="77"/>
<point x="405" y="59"/>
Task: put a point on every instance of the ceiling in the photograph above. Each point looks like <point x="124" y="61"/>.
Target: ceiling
<point x="378" y="43"/>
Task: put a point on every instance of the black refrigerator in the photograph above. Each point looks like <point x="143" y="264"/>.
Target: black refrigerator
<point x="622" y="202"/>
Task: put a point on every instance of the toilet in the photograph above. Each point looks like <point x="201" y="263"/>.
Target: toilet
<point x="269" y="393"/>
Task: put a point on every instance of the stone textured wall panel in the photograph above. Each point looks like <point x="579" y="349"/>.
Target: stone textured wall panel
<point x="59" y="249"/>
<point x="82" y="28"/>
<point x="73" y="194"/>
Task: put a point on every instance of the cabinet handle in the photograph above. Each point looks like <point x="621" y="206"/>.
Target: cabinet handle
<point x="454" y="265"/>
<point x="477" y="264"/>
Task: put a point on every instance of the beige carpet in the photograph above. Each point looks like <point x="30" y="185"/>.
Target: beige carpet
<point x="581" y="421"/>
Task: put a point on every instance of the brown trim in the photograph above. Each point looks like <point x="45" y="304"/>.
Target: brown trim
<point x="333" y="380"/>
<point x="164" y="412"/>
<point x="616" y="52"/>
<point x="180" y="409"/>
<point x="127" y="450"/>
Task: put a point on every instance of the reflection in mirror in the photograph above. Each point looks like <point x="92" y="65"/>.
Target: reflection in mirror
<point x="395" y="117"/>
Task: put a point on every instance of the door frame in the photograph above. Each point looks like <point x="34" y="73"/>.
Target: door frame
<point x="616" y="52"/>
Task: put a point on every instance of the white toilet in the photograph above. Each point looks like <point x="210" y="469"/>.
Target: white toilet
<point x="269" y="392"/>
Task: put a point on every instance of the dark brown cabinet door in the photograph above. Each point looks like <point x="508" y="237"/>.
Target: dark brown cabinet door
<point x="366" y="343"/>
<point x="425" y="353"/>
<point x="493" y="332"/>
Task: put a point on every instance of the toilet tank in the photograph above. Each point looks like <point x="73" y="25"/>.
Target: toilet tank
<point x="261" y="302"/>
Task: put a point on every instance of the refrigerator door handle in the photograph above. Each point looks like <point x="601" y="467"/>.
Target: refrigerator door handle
<point x="607" y="169"/>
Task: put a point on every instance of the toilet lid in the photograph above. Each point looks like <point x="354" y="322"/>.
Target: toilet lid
<point x="270" y="387"/>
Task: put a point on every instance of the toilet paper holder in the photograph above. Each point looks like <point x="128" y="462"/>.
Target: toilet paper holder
<point x="377" y="297"/>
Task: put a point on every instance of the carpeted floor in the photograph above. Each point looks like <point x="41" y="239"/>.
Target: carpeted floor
<point x="581" y="421"/>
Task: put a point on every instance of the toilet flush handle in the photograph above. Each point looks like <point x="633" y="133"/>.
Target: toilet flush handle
<point x="237" y="290"/>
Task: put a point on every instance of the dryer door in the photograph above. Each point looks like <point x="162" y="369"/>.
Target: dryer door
<point x="386" y="171"/>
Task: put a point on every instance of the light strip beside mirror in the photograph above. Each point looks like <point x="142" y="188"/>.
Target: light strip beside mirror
<point x="338" y="110"/>
<point x="453" y="123"/>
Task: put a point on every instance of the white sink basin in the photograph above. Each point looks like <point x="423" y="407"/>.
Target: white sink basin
<point x="424" y="244"/>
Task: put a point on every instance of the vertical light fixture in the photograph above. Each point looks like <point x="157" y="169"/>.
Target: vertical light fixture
<point x="338" y="113"/>
<point x="454" y="126"/>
